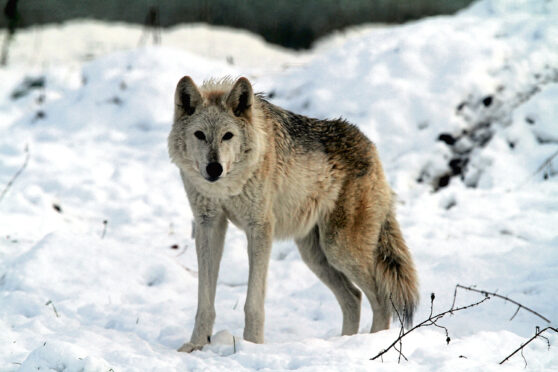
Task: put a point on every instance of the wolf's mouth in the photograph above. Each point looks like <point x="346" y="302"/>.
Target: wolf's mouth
<point x="212" y="179"/>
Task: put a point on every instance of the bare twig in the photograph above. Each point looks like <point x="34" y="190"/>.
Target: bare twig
<point x="538" y="333"/>
<point x="182" y="251"/>
<point x="546" y="163"/>
<point x="486" y="293"/>
<point x="524" y="360"/>
<point x="432" y="319"/>
<point x="545" y="338"/>
<point x="16" y="175"/>
<point x="401" y="331"/>
<point x="400" y="352"/>
<point x="49" y="302"/>
<point x="516" y="311"/>
<point x="105" y="223"/>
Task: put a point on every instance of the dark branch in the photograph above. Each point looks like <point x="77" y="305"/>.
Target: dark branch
<point x="16" y="175"/>
<point x="546" y="162"/>
<point x="537" y="334"/>
<point x="401" y="330"/>
<point x="486" y="293"/>
<point x="524" y="360"/>
<point x="516" y="311"/>
<point x="105" y="223"/>
<point x="432" y="319"/>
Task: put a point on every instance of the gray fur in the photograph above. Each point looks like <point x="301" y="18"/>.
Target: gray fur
<point x="287" y="176"/>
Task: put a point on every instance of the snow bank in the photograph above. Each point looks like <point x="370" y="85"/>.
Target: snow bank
<point x="463" y="112"/>
<point x="447" y="75"/>
<point x="61" y="356"/>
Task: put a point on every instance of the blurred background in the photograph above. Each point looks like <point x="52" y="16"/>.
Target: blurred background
<point x="289" y="23"/>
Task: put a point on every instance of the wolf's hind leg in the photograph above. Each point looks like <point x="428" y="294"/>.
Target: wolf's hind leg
<point x="384" y="272"/>
<point x="359" y="272"/>
<point x="348" y="296"/>
<point x="381" y="311"/>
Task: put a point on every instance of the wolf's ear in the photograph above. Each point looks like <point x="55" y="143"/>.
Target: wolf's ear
<point x="186" y="97"/>
<point x="241" y="98"/>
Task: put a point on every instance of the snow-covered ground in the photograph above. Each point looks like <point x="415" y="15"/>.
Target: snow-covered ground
<point x="464" y="104"/>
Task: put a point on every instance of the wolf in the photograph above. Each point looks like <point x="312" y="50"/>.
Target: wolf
<point x="277" y="175"/>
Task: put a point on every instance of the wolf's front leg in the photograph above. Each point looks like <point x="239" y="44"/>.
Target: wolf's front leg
<point x="259" y="248"/>
<point x="210" y="238"/>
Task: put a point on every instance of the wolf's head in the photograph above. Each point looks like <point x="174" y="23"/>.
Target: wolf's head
<point x="215" y="138"/>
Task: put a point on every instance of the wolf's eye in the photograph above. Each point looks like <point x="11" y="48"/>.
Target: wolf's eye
<point x="227" y="136"/>
<point x="199" y="135"/>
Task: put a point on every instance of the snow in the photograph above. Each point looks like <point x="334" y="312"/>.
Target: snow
<point x="77" y="294"/>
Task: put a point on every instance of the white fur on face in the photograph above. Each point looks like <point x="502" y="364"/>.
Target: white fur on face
<point x="238" y="155"/>
<point x="192" y="155"/>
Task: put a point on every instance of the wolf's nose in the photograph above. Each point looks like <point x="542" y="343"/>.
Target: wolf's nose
<point x="214" y="170"/>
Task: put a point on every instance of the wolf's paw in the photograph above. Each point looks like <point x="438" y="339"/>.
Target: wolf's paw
<point x="189" y="347"/>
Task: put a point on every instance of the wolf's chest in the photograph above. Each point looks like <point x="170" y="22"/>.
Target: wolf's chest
<point x="293" y="214"/>
<point x="295" y="202"/>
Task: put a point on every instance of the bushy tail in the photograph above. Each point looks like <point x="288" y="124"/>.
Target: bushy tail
<point x="395" y="273"/>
